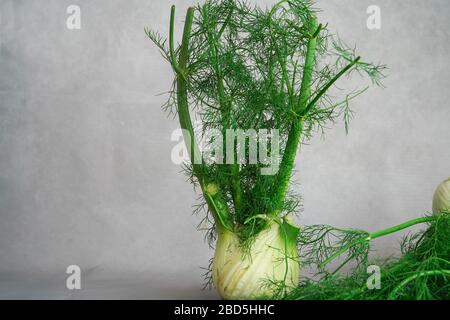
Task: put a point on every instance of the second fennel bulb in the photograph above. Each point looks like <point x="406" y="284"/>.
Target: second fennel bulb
<point x="441" y="199"/>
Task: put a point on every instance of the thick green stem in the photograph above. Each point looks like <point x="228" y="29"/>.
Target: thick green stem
<point x="287" y="162"/>
<point x="310" y="61"/>
<point x="378" y="234"/>
<point x="216" y="203"/>
<point x="182" y="93"/>
<point x="173" y="58"/>
<point x="302" y="109"/>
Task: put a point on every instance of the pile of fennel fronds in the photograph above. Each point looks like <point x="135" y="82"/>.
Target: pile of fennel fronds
<point x="422" y="272"/>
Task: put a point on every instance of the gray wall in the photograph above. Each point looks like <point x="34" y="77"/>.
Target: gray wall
<point x="85" y="170"/>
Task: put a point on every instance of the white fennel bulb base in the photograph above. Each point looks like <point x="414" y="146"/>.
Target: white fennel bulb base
<point x="248" y="274"/>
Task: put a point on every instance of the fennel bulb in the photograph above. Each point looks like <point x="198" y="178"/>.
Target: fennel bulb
<point x="441" y="199"/>
<point x="270" y="264"/>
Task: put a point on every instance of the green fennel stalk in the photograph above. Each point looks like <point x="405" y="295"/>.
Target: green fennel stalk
<point x="376" y="235"/>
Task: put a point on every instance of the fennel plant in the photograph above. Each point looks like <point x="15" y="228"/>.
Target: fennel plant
<point x="243" y="67"/>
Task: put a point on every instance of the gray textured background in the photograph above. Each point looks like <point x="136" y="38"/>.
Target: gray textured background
<point x="85" y="170"/>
